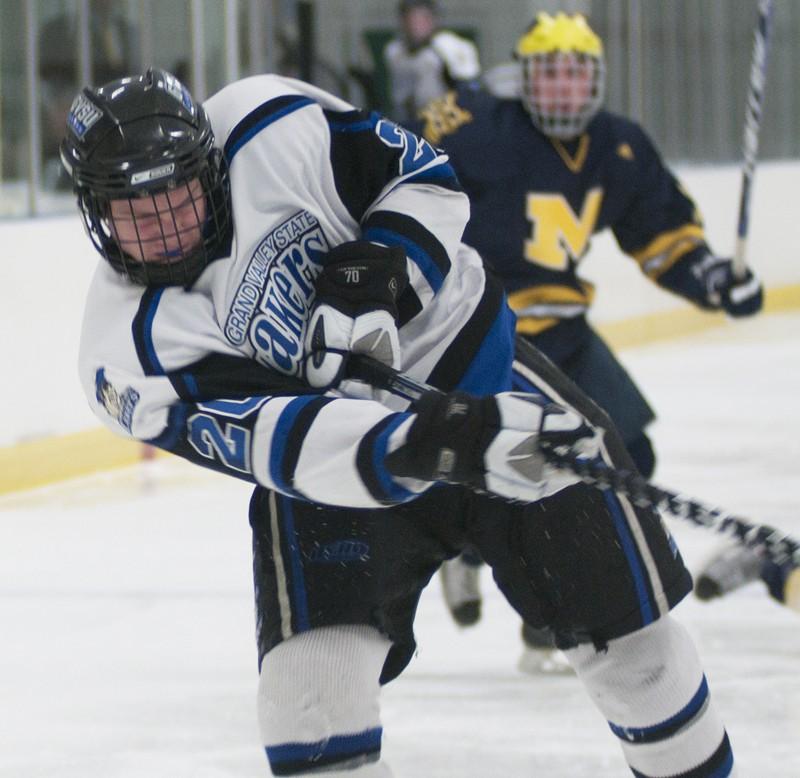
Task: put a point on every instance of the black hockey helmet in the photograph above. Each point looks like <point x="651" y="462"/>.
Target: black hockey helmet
<point x="152" y="188"/>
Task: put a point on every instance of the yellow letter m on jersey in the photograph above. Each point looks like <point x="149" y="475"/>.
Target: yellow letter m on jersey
<point x="558" y="233"/>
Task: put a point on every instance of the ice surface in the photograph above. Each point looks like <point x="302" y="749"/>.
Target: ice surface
<point x="126" y="616"/>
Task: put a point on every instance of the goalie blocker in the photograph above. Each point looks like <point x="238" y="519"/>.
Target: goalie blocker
<point x="585" y="563"/>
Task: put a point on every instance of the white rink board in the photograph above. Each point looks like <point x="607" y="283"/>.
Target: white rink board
<point x="127" y="629"/>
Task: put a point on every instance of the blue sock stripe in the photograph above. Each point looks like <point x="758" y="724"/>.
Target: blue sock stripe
<point x="668" y="727"/>
<point x="718" y="765"/>
<point x="335" y="749"/>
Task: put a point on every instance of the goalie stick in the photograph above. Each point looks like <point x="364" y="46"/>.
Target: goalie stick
<point x="768" y="541"/>
<point x="752" y="126"/>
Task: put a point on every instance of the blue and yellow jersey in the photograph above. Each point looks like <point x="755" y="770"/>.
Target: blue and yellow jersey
<point x="536" y="202"/>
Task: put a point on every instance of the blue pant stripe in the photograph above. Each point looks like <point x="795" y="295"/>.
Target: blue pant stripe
<point x="299" y="595"/>
<point x="629" y="549"/>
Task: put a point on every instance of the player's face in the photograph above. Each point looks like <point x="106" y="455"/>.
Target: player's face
<point x="418" y="25"/>
<point x="561" y="84"/>
<point x="160" y="228"/>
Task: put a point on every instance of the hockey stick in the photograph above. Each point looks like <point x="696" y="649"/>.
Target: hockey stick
<point x="752" y="126"/>
<point x="768" y="541"/>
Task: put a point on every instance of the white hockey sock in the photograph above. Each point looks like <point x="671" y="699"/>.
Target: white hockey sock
<point x="651" y="688"/>
<point x="318" y="703"/>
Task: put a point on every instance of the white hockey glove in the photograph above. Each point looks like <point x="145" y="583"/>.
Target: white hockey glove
<point x="492" y="443"/>
<point x="355" y="310"/>
<point x="736" y="296"/>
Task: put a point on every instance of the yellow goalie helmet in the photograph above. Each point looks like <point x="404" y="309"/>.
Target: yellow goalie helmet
<point x="563" y="74"/>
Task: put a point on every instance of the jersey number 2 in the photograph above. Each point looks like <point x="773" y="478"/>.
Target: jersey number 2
<point x="230" y="444"/>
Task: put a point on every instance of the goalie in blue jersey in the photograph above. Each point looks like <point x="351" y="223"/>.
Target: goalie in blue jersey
<point x="545" y="170"/>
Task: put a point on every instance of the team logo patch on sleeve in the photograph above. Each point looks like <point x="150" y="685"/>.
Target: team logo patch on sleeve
<point x="443" y="116"/>
<point x="119" y="406"/>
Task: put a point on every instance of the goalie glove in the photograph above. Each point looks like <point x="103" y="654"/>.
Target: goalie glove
<point x="355" y="310"/>
<point x="736" y="296"/>
<point x="492" y="444"/>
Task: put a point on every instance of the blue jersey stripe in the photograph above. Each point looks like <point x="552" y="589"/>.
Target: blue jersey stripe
<point x="142" y="331"/>
<point x="420" y="257"/>
<point x="191" y="385"/>
<point x="490" y="370"/>
<point x="393" y="491"/>
<point x="175" y="430"/>
<point x="266" y="114"/>
<point x="363" y="125"/>
<point x="441" y="174"/>
<point x="281" y="437"/>
<point x="521" y="384"/>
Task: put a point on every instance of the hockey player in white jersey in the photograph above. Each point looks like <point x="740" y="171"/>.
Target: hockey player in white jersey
<point x="249" y="246"/>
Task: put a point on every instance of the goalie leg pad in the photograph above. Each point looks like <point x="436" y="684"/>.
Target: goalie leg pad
<point x="651" y="688"/>
<point x="318" y="702"/>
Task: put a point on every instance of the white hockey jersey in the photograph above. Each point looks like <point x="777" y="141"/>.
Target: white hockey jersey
<point x="417" y="76"/>
<point x="214" y="373"/>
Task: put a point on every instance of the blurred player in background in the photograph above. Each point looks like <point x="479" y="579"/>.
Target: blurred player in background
<point x="546" y="170"/>
<point x="249" y="247"/>
<point x="733" y="565"/>
<point x="114" y="43"/>
<point x="425" y="60"/>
